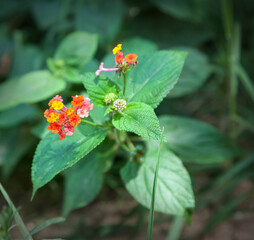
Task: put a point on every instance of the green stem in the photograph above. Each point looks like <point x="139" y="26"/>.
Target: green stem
<point x="232" y="36"/>
<point x="91" y="123"/>
<point x="247" y="82"/>
<point x="124" y="83"/>
<point x="130" y="144"/>
<point x="176" y="228"/>
<point x="19" y="221"/>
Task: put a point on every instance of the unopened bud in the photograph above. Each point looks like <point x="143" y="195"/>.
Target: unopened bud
<point x="119" y="105"/>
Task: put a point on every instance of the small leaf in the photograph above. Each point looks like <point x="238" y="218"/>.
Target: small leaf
<point x="174" y="193"/>
<point x="140" y="119"/>
<point x="77" y="49"/>
<point x="98" y="87"/>
<point x="53" y="155"/>
<point x="30" y="88"/>
<point x="83" y="181"/>
<point x="195" y="141"/>
<point x="155" y="75"/>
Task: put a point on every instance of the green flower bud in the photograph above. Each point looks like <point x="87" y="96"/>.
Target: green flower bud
<point x="109" y="98"/>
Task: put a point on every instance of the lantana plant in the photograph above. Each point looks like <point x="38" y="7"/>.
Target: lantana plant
<point x="119" y="114"/>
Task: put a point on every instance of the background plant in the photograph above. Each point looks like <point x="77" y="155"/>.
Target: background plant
<point x="215" y="85"/>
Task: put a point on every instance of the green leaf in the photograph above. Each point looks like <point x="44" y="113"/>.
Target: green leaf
<point x="151" y="212"/>
<point x="17" y="140"/>
<point x="155" y="75"/>
<point x="195" y="72"/>
<point x="53" y="155"/>
<point x="83" y="181"/>
<point x="77" y="49"/>
<point x="17" y="115"/>
<point x="30" y="88"/>
<point x="26" y="59"/>
<point x="195" y="141"/>
<point x="18" y="219"/>
<point x="98" y="87"/>
<point x="46" y="13"/>
<point x="140" y="119"/>
<point x="46" y="224"/>
<point x="184" y="9"/>
<point x="101" y="17"/>
<point x="174" y="193"/>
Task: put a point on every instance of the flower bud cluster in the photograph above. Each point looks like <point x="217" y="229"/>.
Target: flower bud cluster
<point x="119" y="105"/>
<point x="62" y="120"/>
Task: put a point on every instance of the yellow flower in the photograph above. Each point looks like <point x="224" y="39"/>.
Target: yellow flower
<point x="53" y="117"/>
<point x="57" y="105"/>
<point x="117" y="49"/>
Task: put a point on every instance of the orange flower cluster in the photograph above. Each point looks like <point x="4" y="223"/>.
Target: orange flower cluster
<point x="59" y="116"/>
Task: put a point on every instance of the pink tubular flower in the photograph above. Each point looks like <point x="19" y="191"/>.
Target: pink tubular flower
<point x="68" y="129"/>
<point x="58" y="98"/>
<point x="101" y="68"/>
<point x="82" y="112"/>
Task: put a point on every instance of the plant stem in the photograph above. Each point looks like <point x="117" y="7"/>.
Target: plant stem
<point x="124" y="83"/>
<point x="130" y="144"/>
<point x="17" y="217"/>
<point x="176" y="228"/>
<point x="232" y="36"/>
<point x="91" y="123"/>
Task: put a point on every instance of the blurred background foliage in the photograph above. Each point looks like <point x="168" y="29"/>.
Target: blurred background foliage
<point x="215" y="86"/>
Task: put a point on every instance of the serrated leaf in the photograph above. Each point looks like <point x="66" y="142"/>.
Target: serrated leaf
<point x="83" y="181"/>
<point x="77" y="49"/>
<point x="140" y="119"/>
<point x="30" y="88"/>
<point x="174" y="193"/>
<point x="53" y="155"/>
<point x="154" y="76"/>
<point x="98" y="87"/>
<point x="195" y="72"/>
<point x="195" y="141"/>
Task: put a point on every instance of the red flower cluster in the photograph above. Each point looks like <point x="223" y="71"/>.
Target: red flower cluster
<point x="58" y="115"/>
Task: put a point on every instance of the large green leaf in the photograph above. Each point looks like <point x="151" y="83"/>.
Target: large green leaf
<point x="155" y="75"/>
<point x="173" y="194"/>
<point x="46" y="13"/>
<point x="30" y="88"/>
<point x="140" y="119"/>
<point x="53" y="155"/>
<point x="167" y="31"/>
<point x="77" y="49"/>
<point x="195" y="72"/>
<point x="184" y="9"/>
<point x="195" y="141"/>
<point x="98" y="87"/>
<point x="17" y="115"/>
<point x="83" y="181"/>
<point x="101" y="17"/>
<point x="26" y="59"/>
<point x="14" y="145"/>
